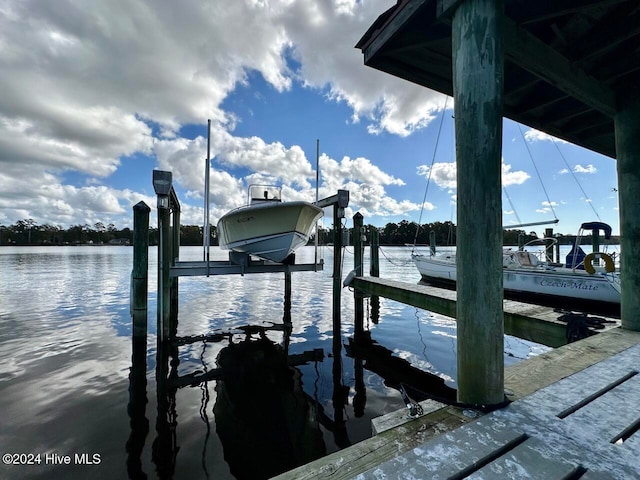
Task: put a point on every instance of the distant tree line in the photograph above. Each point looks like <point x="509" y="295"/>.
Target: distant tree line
<point x="28" y="232"/>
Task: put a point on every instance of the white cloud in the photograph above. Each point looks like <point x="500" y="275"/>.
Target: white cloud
<point x="580" y="169"/>
<point x="86" y="85"/>
<point x="588" y="169"/>
<point x="444" y="175"/>
<point x="534" y="135"/>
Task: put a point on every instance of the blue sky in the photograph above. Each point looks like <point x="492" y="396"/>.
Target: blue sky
<point x="96" y="95"/>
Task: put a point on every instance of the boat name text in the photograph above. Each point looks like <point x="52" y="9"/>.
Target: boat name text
<point x="568" y="284"/>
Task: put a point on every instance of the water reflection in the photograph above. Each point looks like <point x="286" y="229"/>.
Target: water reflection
<point x="264" y="420"/>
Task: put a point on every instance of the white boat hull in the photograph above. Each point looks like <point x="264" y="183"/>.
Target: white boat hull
<point x="271" y="231"/>
<point x="559" y="282"/>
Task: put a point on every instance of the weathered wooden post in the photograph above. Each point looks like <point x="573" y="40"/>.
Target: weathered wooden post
<point x="162" y="186"/>
<point x="478" y="78"/>
<point x="287" y="299"/>
<point x="627" y="132"/>
<point x="374" y="271"/>
<point x="432" y="242"/>
<point x="139" y="277"/>
<point x="175" y="257"/>
<point x="358" y="258"/>
<point x="595" y="244"/>
<point x="338" y="214"/>
<point x="138" y="373"/>
<point x="548" y="251"/>
<point x="374" y="253"/>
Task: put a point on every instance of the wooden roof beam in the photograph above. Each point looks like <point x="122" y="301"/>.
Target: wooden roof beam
<point x="531" y="54"/>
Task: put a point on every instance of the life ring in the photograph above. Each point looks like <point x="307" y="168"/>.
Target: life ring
<point x="608" y="262"/>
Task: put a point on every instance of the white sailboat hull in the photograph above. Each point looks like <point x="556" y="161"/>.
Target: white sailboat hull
<point x="558" y="282"/>
<point x="271" y="231"/>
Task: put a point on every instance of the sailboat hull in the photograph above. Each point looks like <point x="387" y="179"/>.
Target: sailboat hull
<point x="562" y="286"/>
<point x="271" y="231"/>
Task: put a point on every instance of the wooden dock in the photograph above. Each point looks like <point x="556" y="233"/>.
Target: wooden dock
<point x="575" y="414"/>
<point x="536" y="323"/>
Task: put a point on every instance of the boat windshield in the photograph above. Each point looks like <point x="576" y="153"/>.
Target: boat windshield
<point x="264" y="193"/>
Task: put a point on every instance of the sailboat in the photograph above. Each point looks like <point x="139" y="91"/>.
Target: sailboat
<point x="583" y="282"/>
<point x="590" y="282"/>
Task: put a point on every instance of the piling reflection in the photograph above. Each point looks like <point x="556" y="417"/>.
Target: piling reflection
<point x="137" y="407"/>
<point x="397" y="372"/>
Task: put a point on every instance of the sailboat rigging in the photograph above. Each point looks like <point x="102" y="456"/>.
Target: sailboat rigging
<point x="580" y="283"/>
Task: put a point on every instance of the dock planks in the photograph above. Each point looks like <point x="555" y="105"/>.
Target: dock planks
<point x="559" y="374"/>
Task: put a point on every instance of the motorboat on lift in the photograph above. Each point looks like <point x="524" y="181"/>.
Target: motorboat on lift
<point x="580" y="282"/>
<point x="267" y="227"/>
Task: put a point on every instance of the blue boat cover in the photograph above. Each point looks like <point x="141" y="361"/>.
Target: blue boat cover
<point x="598" y="226"/>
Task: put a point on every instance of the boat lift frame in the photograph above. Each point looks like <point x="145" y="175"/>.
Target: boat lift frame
<point x="170" y="267"/>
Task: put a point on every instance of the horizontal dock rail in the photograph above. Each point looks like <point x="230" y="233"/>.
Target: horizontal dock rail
<point x="523" y="320"/>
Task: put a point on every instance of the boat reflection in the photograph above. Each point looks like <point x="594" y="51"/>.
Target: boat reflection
<point x="266" y="423"/>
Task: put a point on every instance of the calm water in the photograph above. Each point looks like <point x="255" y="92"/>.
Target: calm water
<point x="65" y="363"/>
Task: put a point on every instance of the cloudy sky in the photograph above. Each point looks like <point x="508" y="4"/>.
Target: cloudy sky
<point x="95" y="95"/>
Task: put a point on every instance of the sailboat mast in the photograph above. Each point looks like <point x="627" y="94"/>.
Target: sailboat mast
<point x="317" y="187"/>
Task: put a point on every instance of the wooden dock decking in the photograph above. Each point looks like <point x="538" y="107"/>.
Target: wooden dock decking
<point x="537" y="323"/>
<point x="527" y="439"/>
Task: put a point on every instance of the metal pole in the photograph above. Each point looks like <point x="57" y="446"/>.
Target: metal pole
<point x="205" y="234"/>
<point x="317" y="197"/>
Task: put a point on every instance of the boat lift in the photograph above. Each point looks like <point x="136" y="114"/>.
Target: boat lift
<point x="170" y="267"/>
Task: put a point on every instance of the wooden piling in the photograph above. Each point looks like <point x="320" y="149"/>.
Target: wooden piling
<point x="432" y="242"/>
<point x="173" y="281"/>
<point x="627" y="133"/>
<point x="287" y="298"/>
<point x="139" y="278"/>
<point x="478" y="76"/>
<point x="374" y="253"/>
<point x="548" y="250"/>
<point x="358" y="259"/>
<point x="337" y="266"/>
<point x="374" y="271"/>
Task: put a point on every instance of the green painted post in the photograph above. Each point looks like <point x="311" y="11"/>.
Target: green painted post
<point x="358" y="259"/>
<point x="478" y="76"/>
<point x="627" y="125"/>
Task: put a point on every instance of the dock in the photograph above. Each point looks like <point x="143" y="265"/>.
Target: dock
<point x="574" y="414"/>
<point x="528" y="321"/>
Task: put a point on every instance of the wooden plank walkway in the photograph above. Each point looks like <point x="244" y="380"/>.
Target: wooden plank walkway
<point x="536" y="323"/>
<point x="553" y="447"/>
<point x="571" y="429"/>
